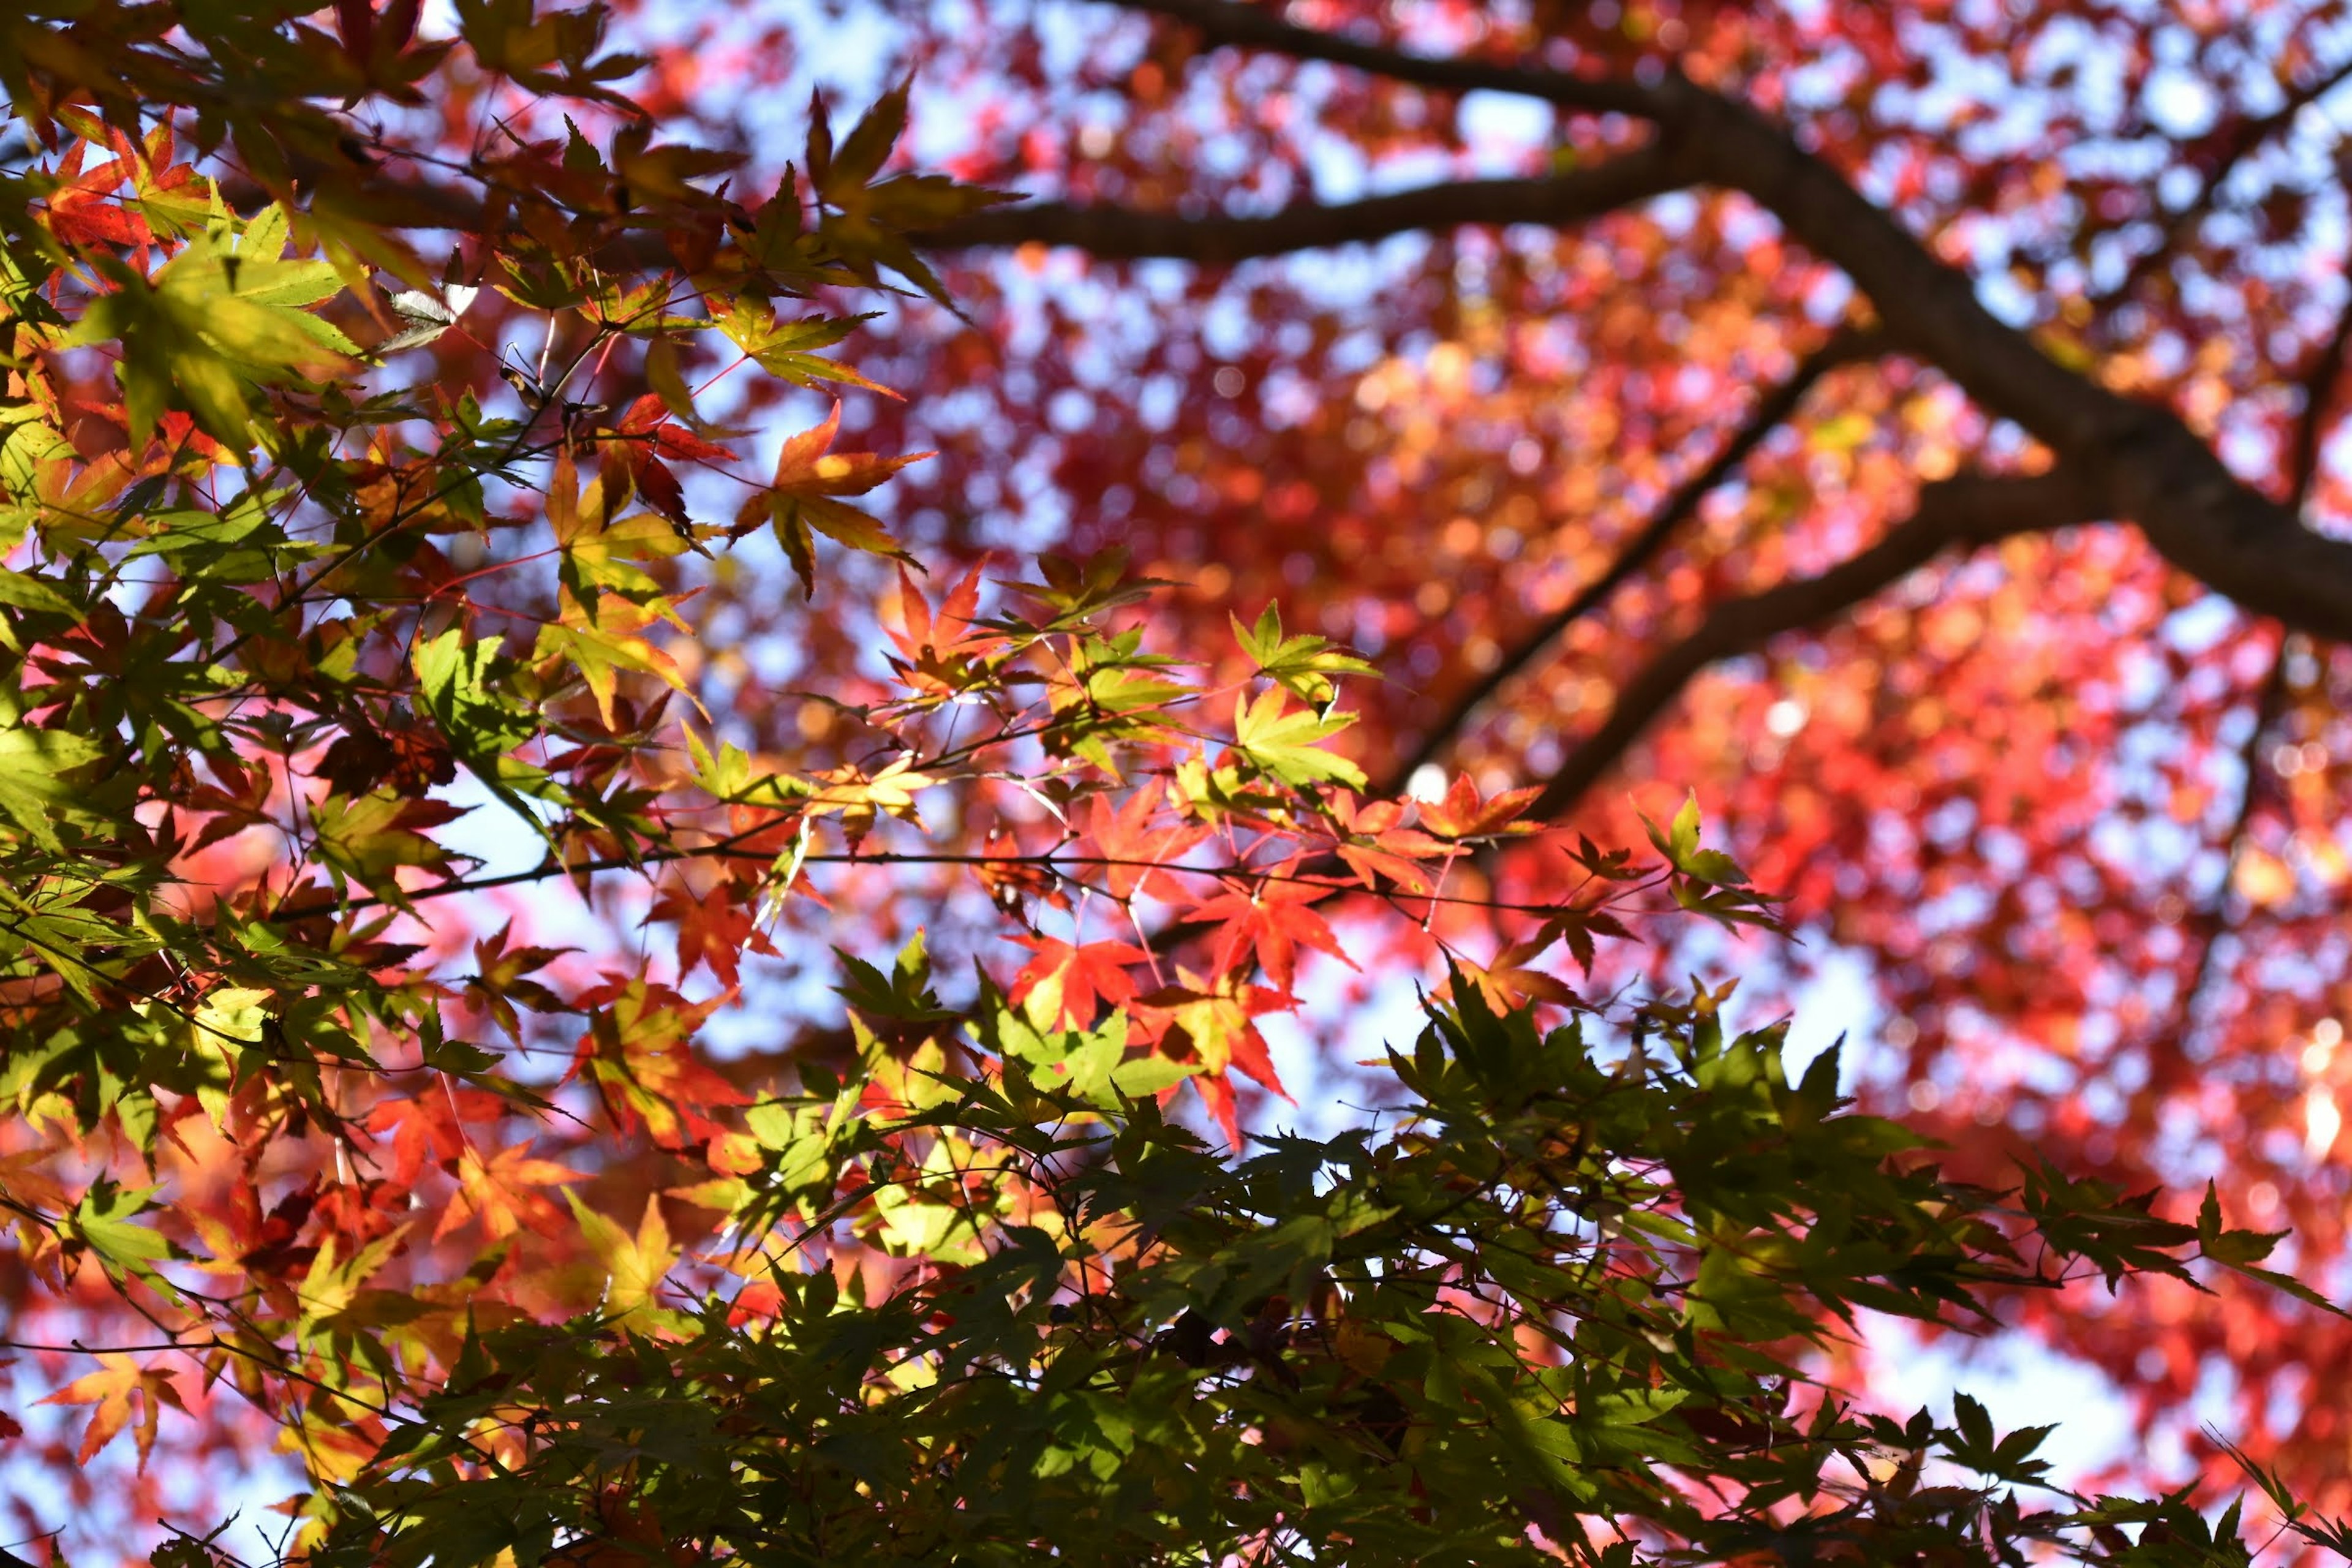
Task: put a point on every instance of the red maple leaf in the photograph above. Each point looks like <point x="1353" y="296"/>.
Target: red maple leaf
<point x="422" y="1129"/>
<point x="1374" y="839"/>
<point x="85" y="210"/>
<point x="504" y="1191"/>
<point x="1126" y="838"/>
<point x="1269" y="923"/>
<point x="715" y="929"/>
<point x="1087" y="974"/>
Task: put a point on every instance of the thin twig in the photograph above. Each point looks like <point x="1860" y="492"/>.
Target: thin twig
<point x="1773" y="409"/>
<point x="2214" y="920"/>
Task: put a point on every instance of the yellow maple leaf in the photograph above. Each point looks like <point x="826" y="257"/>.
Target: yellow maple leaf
<point x="634" y="1266"/>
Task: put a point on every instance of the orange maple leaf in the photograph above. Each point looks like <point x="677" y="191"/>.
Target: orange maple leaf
<point x="1465" y="814"/>
<point x="504" y="1192"/>
<point x="121" y="1388"/>
<point x="1124" y="837"/>
<point x="714" y="929"/>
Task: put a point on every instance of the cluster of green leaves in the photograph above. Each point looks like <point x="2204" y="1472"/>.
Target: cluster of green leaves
<point x="236" y="614"/>
<point x="1558" y="1305"/>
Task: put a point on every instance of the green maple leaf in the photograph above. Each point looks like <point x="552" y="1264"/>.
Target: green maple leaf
<point x="1304" y="666"/>
<point x="107" y="1222"/>
<point x="1287" y="746"/>
<point x="215" y="322"/>
<point x="33" y="787"/>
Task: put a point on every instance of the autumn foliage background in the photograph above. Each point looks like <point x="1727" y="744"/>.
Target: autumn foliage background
<point x="603" y="672"/>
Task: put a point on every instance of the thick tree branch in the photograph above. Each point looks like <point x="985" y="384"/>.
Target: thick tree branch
<point x="2139" y="462"/>
<point x="1770" y="412"/>
<point x="1961" y="512"/>
<point x="1245" y="26"/>
<point x="1117" y="233"/>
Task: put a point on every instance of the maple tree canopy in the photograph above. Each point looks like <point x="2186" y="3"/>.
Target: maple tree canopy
<point x="673" y="764"/>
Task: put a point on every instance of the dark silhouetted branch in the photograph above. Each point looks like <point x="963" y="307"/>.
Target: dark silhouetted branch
<point x="2213" y="922"/>
<point x="1119" y="234"/>
<point x="1773" y="409"/>
<point x="2139" y="461"/>
<point x="1248" y="27"/>
<point x="1962" y="512"/>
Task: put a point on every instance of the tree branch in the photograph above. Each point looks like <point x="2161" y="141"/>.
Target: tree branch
<point x="2243" y="140"/>
<point x="2213" y="920"/>
<point x="2139" y="461"/>
<point x="2210" y="923"/>
<point x="1770" y="412"/>
<point x="1118" y="234"/>
<point x="1245" y="26"/>
<point x="1965" y="512"/>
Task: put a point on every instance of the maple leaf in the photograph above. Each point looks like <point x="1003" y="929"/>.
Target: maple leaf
<point x="1465" y="814"/>
<point x="785" y="348"/>
<point x="27" y="1177"/>
<point x="224" y="316"/>
<point x="1509" y="979"/>
<point x="1124" y="835"/>
<point x="424" y="1132"/>
<point x="1210" y="1021"/>
<point x="856" y="795"/>
<point x="600" y="644"/>
<point x="633" y="453"/>
<point x="804" y="494"/>
<point x="638" y="1051"/>
<point x="83" y="209"/>
<point x="123" y="1391"/>
<point x="644" y="427"/>
<point x="498" y="982"/>
<point x="1014" y="881"/>
<point x="943" y="654"/>
<point x="1375" y="840"/>
<point x="405" y="759"/>
<point x="504" y="1192"/>
<point x="1305" y="666"/>
<point x="365" y="837"/>
<point x="1268" y="924"/>
<point x="634" y="1266"/>
<point x="269" y="1241"/>
<point x="1284" y="745"/>
<point x="1577" y="927"/>
<point x="715" y="928"/>
<point x="1679" y="844"/>
<point x="1068" y="984"/>
<point x="954" y="630"/>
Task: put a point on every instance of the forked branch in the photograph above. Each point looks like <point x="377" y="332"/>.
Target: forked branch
<point x="1770" y="412"/>
<point x="2135" y="461"/>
